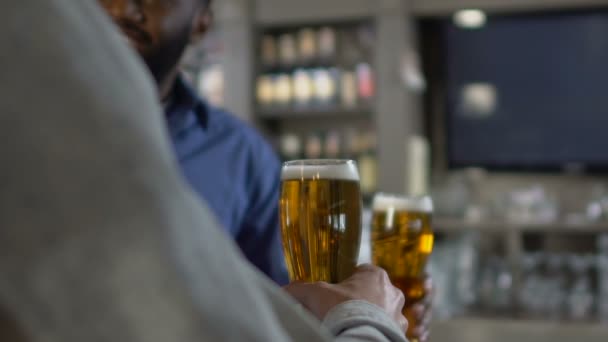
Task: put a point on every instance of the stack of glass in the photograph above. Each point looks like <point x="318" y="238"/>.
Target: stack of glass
<point x="602" y="268"/>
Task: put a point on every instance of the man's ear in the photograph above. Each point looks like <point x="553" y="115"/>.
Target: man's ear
<point x="201" y="24"/>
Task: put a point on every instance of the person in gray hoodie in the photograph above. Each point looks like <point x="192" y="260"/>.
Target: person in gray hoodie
<point x="101" y="239"/>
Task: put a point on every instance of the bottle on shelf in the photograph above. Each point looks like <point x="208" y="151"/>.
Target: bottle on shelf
<point x="348" y="89"/>
<point x="352" y="148"/>
<point x="288" y="54"/>
<point x="333" y="144"/>
<point x="307" y="46"/>
<point x="268" y="50"/>
<point x="327" y="44"/>
<point x="325" y="87"/>
<point x="290" y="147"/>
<point x="368" y="163"/>
<point x="303" y="88"/>
<point x="283" y="92"/>
<point x="365" y="81"/>
<point x="418" y="165"/>
<point x="265" y="91"/>
<point x="314" y="146"/>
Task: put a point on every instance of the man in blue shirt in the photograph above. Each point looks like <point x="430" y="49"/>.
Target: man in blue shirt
<point x="227" y="162"/>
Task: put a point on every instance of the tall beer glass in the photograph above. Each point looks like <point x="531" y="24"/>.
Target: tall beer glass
<point x="320" y="213"/>
<point x="402" y="240"/>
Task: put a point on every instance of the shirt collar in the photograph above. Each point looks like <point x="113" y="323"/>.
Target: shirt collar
<point x="183" y="101"/>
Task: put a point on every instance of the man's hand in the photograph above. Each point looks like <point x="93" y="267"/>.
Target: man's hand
<point x="418" y="314"/>
<point x="369" y="283"/>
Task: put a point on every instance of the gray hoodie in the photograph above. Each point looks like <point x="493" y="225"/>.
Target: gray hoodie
<point x="100" y="239"/>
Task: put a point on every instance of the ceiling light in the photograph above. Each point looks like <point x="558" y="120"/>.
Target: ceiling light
<point x="470" y="18"/>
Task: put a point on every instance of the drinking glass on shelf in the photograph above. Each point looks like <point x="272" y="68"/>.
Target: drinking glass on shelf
<point x="555" y="286"/>
<point x="580" y="297"/>
<point x="602" y="273"/>
<point x="495" y="285"/>
<point x="529" y="301"/>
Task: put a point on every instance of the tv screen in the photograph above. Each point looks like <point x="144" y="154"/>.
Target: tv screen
<point x="528" y="92"/>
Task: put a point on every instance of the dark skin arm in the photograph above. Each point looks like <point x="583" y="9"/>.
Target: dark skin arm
<point x="419" y="314"/>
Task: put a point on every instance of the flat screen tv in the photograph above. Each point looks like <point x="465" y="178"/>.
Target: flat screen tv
<point x="528" y="92"/>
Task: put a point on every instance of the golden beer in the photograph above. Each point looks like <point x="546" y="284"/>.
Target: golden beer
<point x="402" y="241"/>
<point x="320" y="214"/>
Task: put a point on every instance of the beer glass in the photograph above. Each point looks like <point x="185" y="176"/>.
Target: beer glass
<point x="401" y="242"/>
<point x="320" y="214"/>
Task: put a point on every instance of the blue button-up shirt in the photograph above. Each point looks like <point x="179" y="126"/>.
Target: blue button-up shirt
<point x="235" y="171"/>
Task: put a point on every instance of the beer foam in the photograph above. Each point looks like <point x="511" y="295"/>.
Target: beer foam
<point x="320" y="169"/>
<point x="384" y="202"/>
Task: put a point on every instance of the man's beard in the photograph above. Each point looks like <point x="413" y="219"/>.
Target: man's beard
<point x="163" y="61"/>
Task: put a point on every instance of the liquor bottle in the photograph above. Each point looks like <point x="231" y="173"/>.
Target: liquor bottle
<point x="290" y="147"/>
<point x="265" y="90"/>
<point x="314" y="146"/>
<point x="307" y="46"/>
<point x="332" y="145"/>
<point x="283" y="92"/>
<point x="368" y="163"/>
<point x="288" y="53"/>
<point x="327" y="44"/>
<point x="302" y="88"/>
<point x="268" y="50"/>
<point x="352" y="143"/>
<point x="348" y="89"/>
<point x="365" y="81"/>
<point x="324" y="86"/>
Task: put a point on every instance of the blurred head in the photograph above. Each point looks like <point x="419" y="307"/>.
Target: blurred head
<point x="160" y="30"/>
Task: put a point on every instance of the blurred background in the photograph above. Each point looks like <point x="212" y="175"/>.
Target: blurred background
<point x="497" y="108"/>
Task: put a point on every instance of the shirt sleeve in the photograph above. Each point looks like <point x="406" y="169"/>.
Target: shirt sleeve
<point x="259" y="237"/>
<point x="361" y="321"/>
<point x="351" y="321"/>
